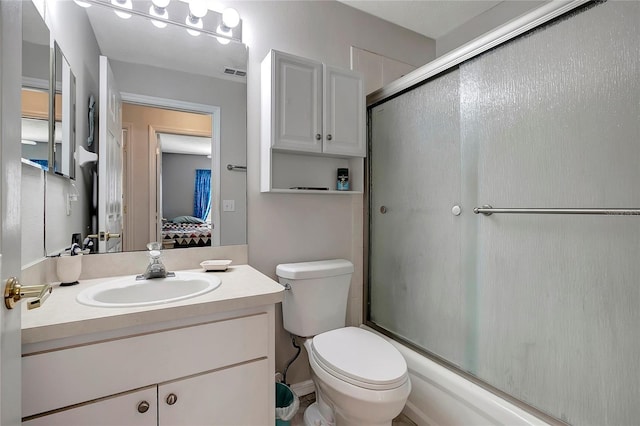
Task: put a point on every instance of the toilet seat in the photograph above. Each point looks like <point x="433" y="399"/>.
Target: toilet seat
<point x="359" y="357"/>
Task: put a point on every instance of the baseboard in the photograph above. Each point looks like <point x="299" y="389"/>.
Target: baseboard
<point x="303" y="388"/>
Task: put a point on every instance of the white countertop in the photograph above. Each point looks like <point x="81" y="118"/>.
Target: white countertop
<point x="61" y="316"/>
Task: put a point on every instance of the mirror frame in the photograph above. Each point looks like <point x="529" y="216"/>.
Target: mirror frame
<point x="68" y="120"/>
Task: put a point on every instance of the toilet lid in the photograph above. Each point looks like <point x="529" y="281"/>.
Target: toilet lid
<point x="360" y="357"/>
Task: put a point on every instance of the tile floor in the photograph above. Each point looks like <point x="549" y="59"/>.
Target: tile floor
<point x="307" y="400"/>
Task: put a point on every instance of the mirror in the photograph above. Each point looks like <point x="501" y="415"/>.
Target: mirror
<point x="64" y="111"/>
<point x="36" y="59"/>
<point x="163" y="68"/>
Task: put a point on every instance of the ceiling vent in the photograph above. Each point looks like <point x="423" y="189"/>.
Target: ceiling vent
<point x="235" y="71"/>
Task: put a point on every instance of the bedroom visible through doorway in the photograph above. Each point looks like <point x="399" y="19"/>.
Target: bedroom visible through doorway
<point x="167" y="153"/>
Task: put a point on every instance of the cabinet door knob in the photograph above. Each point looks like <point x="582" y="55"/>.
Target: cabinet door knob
<point x="383" y="209"/>
<point x="143" y="407"/>
<point x="172" y="399"/>
<point x="329" y="137"/>
<point x="318" y="136"/>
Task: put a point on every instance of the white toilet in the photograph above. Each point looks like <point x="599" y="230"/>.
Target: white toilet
<point x="360" y="378"/>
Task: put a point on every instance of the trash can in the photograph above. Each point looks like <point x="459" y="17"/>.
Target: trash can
<point x="287" y="404"/>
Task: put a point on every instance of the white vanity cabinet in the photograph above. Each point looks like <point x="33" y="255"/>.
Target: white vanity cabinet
<point x="137" y="408"/>
<point x="217" y="372"/>
<point x="232" y="396"/>
<point x="313" y="122"/>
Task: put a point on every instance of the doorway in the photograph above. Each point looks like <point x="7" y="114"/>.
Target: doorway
<point x="157" y="132"/>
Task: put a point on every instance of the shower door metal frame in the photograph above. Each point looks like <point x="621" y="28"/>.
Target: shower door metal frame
<point x="505" y="33"/>
<point x="496" y="37"/>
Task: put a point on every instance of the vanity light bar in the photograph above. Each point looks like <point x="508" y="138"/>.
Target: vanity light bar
<point x="227" y="36"/>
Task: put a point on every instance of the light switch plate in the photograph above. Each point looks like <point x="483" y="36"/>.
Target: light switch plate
<point x="228" y="205"/>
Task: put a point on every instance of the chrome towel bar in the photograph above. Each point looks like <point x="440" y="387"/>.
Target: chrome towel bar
<point x="488" y="210"/>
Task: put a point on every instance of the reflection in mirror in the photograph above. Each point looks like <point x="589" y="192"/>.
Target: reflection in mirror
<point x="185" y="181"/>
<point x="171" y="69"/>
<point x="181" y="146"/>
<point x="65" y="112"/>
<point x="36" y="59"/>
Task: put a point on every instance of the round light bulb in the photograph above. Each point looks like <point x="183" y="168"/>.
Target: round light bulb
<point x="230" y="17"/>
<point x="127" y="4"/>
<point x="198" y="8"/>
<point x="158" y="12"/>
<point x="161" y="3"/>
<point x="192" y="21"/>
<point x="82" y="3"/>
<point x="223" y="31"/>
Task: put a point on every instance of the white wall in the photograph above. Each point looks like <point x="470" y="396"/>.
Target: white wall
<point x="35" y="61"/>
<point x="500" y="14"/>
<point x="178" y="180"/>
<point x="298" y="227"/>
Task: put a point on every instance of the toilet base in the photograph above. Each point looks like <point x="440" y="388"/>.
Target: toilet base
<point x="313" y="417"/>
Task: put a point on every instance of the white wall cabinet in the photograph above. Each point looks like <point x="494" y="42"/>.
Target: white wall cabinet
<point x="215" y="373"/>
<point x="378" y="70"/>
<point x="292" y="89"/>
<point x="313" y="122"/>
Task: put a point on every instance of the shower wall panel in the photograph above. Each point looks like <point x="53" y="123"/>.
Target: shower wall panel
<point x="544" y="307"/>
<point x="555" y="119"/>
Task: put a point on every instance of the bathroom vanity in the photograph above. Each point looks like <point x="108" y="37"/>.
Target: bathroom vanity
<point x="204" y="360"/>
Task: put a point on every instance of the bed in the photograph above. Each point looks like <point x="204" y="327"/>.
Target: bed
<point x="180" y="235"/>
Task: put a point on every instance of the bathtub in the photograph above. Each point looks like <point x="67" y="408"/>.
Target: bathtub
<point x="441" y="397"/>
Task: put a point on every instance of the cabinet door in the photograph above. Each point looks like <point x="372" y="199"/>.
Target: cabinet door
<point x="138" y="408"/>
<point x="344" y="113"/>
<point x="298" y="104"/>
<point x="231" y="396"/>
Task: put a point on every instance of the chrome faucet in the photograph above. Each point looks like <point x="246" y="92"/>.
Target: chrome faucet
<point x="155" y="269"/>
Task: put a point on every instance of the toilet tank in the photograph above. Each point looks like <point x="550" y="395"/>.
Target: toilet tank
<point x="316" y="298"/>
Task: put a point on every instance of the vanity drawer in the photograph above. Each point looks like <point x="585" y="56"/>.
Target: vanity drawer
<point x="69" y="376"/>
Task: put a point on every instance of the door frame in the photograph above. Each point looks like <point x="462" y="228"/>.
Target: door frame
<point x="155" y="174"/>
<point x="10" y="214"/>
<point x="214" y="111"/>
<point x="127" y="222"/>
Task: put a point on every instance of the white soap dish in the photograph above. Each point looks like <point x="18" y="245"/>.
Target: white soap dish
<point x="215" y="265"/>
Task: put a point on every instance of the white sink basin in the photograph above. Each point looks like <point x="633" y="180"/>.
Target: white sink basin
<point x="124" y="292"/>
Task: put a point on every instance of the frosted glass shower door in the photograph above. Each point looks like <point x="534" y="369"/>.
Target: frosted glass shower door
<point x="543" y="307"/>
<point x="555" y="119"/>
<point x="414" y="237"/>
